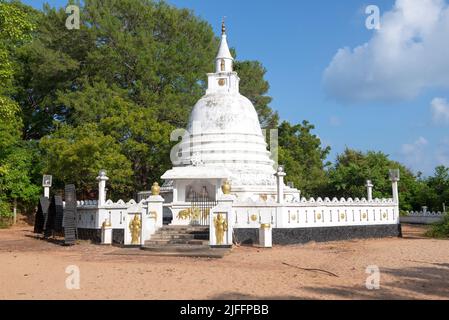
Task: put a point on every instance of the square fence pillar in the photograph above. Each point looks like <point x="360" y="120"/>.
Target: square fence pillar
<point x="265" y="235"/>
<point x="106" y="233"/>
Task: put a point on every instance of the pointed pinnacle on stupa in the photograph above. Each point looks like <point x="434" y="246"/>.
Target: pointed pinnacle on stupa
<point x="223" y="26"/>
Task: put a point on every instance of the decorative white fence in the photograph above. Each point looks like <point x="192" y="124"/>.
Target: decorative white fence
<point x="315" y="213"/>
<point x="425" y="213"/>
<point x="422" y="217"/>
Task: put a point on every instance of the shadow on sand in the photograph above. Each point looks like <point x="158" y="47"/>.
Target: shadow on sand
<point x="409" y="283"/>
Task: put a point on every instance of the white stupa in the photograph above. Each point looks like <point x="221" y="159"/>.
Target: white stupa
<point x="224" y="142"/>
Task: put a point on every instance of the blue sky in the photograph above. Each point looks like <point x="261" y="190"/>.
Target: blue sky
<point x="402" y="109"/>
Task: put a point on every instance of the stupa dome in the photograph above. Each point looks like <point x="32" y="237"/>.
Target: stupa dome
<point x="224" y="129"/>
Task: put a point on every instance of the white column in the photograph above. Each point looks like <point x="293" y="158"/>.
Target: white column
<point x="265" y="235"/>
<point x="394" y="186"/>
<point x="280" y="174"/>
<point x="106" y="233"/>
<point x="155" y="209"/>
<point x="224" y="210"/>
<point x="394" y="177"/>
<point x="47" y="192"/>
<point x="369" y="189"/>
<point x="102" y="178"/>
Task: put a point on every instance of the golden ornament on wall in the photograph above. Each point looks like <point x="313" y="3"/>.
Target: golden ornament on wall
<point x="226" y="187"/>
<point x="134" y="227"/>
<point x="221" y="82"/>
<point x="318" y="216"/>
<point x="342" y="216"/>
<point x="364" y="215"/>
<point x="155" y="189"/>
<point x="265" y="226"/>
<point x="385" y="215"/>
<point x="196" y="213"/>
<point x="153" y="215"/>
<point x="254" y="217"/>
<point x="184" y="214"/>
<point x="106" y="223"/>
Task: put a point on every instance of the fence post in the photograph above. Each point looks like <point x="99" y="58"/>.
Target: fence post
<point x="14" y="219"/>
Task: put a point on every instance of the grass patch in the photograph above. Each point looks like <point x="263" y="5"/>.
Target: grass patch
<point x="440" y="229"/>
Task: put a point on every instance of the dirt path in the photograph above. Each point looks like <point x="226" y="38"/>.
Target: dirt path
<point x="412" y="267"/>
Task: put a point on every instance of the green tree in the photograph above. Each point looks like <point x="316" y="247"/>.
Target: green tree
<point x="17" y="161"/>
<point x="303" y="156"/>
<point x="76" y="155"/>
<point x="135" y="69"/>
<point x="438" y="189"/>
<point x="15" y="27"/>
<point x="347" y="177"/>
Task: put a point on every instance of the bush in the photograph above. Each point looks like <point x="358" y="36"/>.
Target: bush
<point x="5" y="215"/>
<point x="5" y="209"/>
<point x="440" y="229"/>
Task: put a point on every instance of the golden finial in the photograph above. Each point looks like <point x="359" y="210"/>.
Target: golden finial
<point x="223" y="27"/>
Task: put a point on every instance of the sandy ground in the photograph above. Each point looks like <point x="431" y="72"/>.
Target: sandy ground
<point x="410" y="268"/>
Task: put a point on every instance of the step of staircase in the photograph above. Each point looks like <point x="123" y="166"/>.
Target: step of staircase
<point x="182" y="241"/>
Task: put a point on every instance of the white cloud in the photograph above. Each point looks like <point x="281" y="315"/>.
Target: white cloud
<point x="410" y="53"/>
<point x="440" y="110"/>
<point x="442" y="153"/>
<point x="415" y="155"/>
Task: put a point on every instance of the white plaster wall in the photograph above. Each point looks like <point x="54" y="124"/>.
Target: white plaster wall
<point x="319" y="215"/>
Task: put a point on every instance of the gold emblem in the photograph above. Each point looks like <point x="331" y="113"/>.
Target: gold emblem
<point x="263" y="197"/>
<point x="293" y="217"/>
<point x="364" y="215"/>
<point x="221" y="82"/>
<point x="134" y="227"/>
<point x="184" y="214"/>
<point x="254" y="217"/>
<point x="385" y="215"/>
<point x="343" y="216"/>
<point x="318" y="216"/>
<point x="221" y="226"/>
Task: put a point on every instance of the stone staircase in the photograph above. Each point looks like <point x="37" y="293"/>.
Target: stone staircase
<point x="180" y="235"/>
<point x="185" y="241"/>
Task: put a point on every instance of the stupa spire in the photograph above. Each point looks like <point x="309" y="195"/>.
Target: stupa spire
<point x="224" y="79"/>
<point x="224" y="59"/>
<point x="223" y="26"/>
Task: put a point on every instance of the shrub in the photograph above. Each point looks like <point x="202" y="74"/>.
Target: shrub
<point x="440" y="229"/>
<point x="5" y="215"/>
